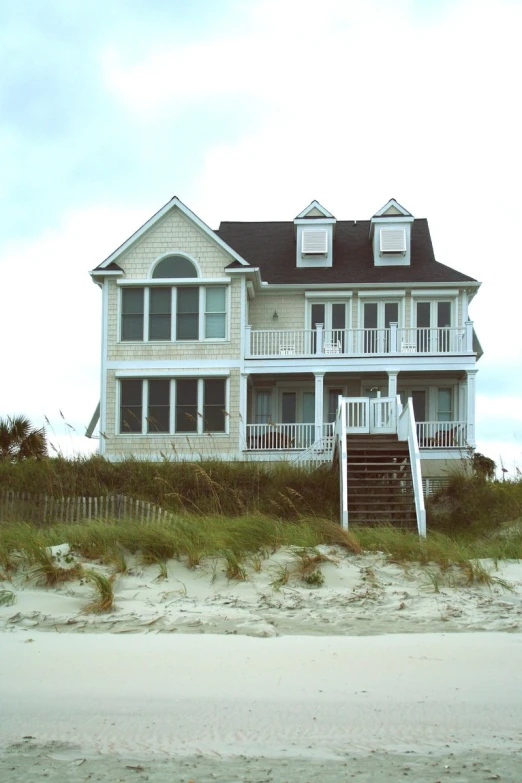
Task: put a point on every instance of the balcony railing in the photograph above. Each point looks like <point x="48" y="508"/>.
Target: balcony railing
<point x="275" y="343"/>
<point x="283" y="437"/>
<point x="442" y="434"/>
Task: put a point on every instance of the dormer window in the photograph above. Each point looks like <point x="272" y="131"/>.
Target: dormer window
<point x="315" y="242"/>
<point x="390" y="235"/>
<point x="314" y="237"/>
<point x="392" y="240"/>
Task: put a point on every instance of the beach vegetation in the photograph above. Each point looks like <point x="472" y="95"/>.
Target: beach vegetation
<point x="104" y="592"/>
<point x="19" y="440"/>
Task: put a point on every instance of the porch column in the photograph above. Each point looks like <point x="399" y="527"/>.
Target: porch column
<point x="471" y="377"/>
<point x="393" y="336"/>
<point x="319" y="337"/>
<point x="319" y="392"/>
<point x="469" y="336"/>
<point x="392" y="384"/>
<point x="243" y="396"/>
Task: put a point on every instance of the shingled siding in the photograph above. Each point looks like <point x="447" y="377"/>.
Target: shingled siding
<point x="177" y="351"/>
<point x="186" y="445"/>
<point x="290" y="310"/>
<point x="174" y="232"/>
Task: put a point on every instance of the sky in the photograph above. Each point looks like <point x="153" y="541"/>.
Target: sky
<point x="249" y="110"/>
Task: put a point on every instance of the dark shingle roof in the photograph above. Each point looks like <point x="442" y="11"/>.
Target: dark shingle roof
<point x="271" y="246"/>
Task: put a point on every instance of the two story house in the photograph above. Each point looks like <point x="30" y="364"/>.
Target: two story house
<point x="240" y="343"/>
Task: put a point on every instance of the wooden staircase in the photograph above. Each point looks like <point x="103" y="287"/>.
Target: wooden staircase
<point x="380" y="484"/>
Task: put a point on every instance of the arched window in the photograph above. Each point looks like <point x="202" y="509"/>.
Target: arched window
<point x="175" y="266"/>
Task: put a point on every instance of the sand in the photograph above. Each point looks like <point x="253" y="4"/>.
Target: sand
<point x="380" y="674"/>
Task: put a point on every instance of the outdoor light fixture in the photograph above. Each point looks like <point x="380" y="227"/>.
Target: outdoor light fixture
<point x="275" y="316"/>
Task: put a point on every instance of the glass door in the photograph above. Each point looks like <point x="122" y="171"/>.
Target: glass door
<point x="333" y="317"/>
<point x="377" y="317"/>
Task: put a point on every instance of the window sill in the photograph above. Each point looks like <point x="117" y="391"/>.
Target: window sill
<point x="211" y="340"/>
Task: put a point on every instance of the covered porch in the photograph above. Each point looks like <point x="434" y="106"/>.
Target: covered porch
<point x="290" y="413"/>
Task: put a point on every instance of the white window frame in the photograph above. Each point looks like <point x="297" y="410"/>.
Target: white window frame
<point x="202" y="285"/>
<point x="172" y="401"/>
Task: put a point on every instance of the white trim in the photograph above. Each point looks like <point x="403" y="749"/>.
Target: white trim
<point x="382" y="294"/>
<point x="328" y="295"/>
<point x="156" y="372"/>
<point x="173" y="281"/>
<point x="181" y="253"/>
<point x="174" y="202"/>
<point x="172" y="364"/>
<point x="419" y="293"/>
<point x="103" y="372"/>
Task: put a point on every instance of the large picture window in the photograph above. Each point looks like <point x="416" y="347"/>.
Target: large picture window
<point x="173" y="313"/>
<point x="198" y="405"/>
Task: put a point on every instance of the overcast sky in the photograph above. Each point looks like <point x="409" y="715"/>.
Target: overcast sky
<point x="249" y="110"/>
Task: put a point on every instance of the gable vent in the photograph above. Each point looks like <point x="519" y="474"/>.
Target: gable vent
<point x="393" y="240"/>
<point x="315" y="241"/>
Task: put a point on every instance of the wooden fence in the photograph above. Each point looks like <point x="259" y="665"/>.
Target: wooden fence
<point x="42" y="509"/>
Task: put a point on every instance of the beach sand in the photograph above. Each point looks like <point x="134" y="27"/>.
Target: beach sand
<point x="373" y="676"/>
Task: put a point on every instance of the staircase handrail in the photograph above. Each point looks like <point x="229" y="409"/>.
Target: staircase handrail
<point x="407" y="430"/>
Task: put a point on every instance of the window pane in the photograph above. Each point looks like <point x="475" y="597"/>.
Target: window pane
<point x="318" y="313"/>
<point x="159" y="327"/>
<point x="289" y="407"/>
<point x="263" y="406"/>
<point x="132" y="313"/>
<point x="214" y="405"/>
<point x="160" y="299"/>
<point x="391" y="313"/>
<point x="215" y="325"/>
<point x="188" y="300"/>
<point x="175" y="266"/>
<point x="338" y="316"/>
<point x="443" y="314"/>
<point x="158" y="414"/>
<point x="187" y="405"/>
<point x="370" y="315"/>
<point x="187" y="326"/>
<point x="132" y="300"/>
<point x="215" y="392"/>
<point x="333" y="403"/>
<point x="215" y="300"/>
<point x="131" y="406"/>
<point x="423" y="314"/>
<point x="444" y="405"/>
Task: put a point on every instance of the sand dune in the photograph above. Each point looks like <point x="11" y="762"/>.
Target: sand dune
<point x="362" y="678"/>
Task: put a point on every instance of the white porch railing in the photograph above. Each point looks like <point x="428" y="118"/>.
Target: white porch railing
<point x="283" y="437"/>
<point x="273" y="343"/>
<point x="406" y="430"/>
<point x="442" y="434"/>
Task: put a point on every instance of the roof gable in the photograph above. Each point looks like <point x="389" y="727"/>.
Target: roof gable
<point x="314" y="210"/>
<point x="392" y="208"/>
<point x="174" y="203"/>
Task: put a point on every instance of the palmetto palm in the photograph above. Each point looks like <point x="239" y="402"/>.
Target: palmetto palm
<point x="20" y="440"/>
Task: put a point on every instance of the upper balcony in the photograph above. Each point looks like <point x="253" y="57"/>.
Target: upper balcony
<point x="332" y="343"/>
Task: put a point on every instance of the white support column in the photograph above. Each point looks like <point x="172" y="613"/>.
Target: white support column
<point x="471" y="376"/>
<point x="319" y="393"/>
<point x="393" y="336"/>
<point x="392" y="384"/>
<point x="319" y="335"/>
<point x="243" y="397"/>
<point x="469" y="336"/>
<point x="248" y="341"/>
<point x="462" y="405"/>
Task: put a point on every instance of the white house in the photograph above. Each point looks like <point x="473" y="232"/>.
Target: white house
<point x="238" y="343"/>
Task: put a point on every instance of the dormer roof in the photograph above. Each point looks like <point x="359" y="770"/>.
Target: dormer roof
<point x="393" y="209"/>
<point x="314" y="210"/>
